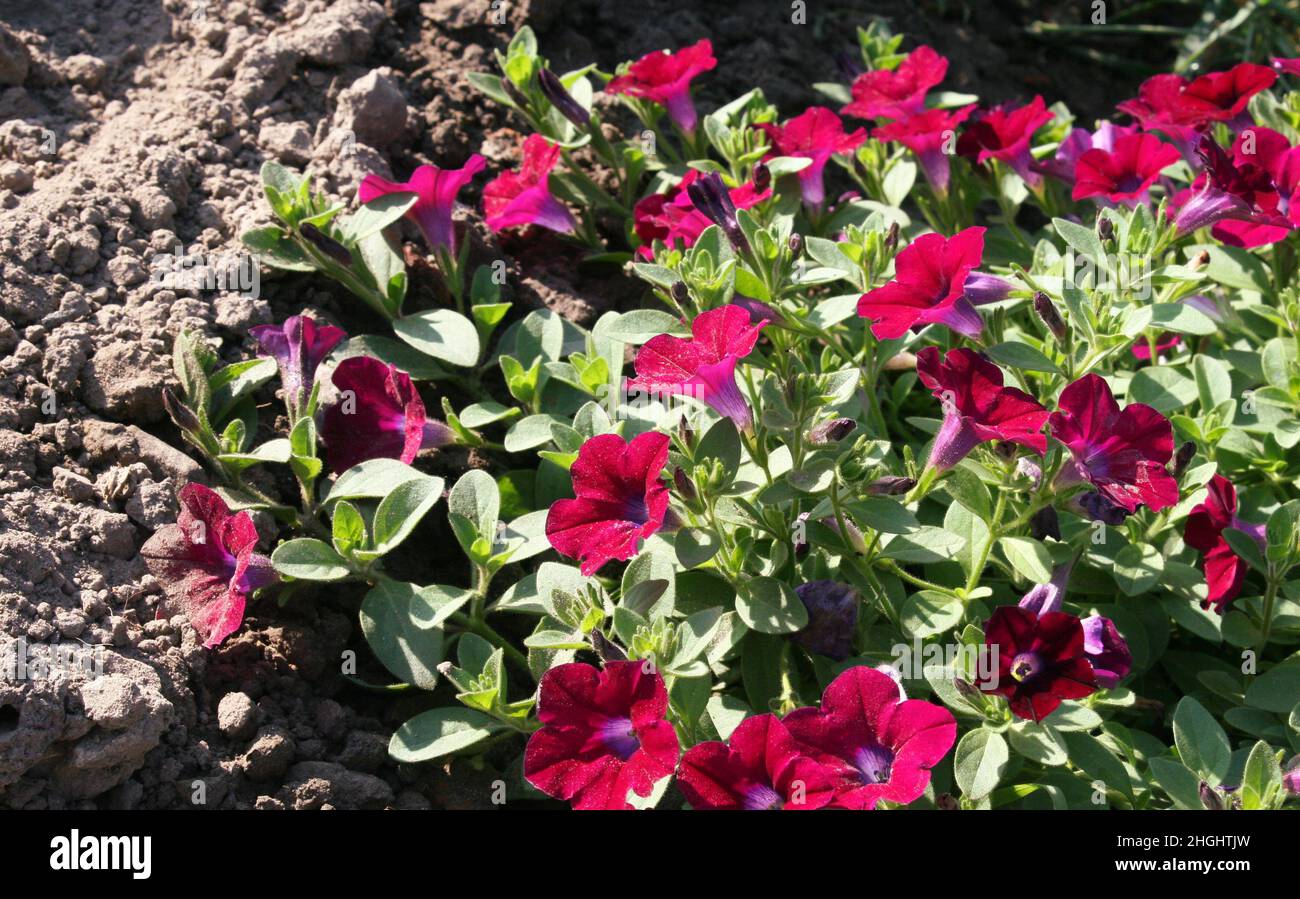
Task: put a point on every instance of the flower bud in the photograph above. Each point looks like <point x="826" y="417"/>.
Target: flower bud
<point x="1045" y="523"/>
<point x="891" y="239"/>
<point x="513" y="93"/>
<point x="326" y="244"/>
<point x="890" y="485"/>
<point x="1051" y="318"/>
<point x="829" y="432"/>
<point x="710" y="196"/>
<point x="607" y="651"/>
<point x="1199" y="261"/>
<point x="561" y="99"/>
<point x="1210" y="799"/>
<point x="852" y="535"/>
<point x="796" y="243"/>
<point x="762" y="177"/>
<point x="1105" y="229"/>
<point x="685" y="433"/>
<point x="685" y="487"/>
<point x="680" y="292"/>
<point x="1291" y="776"/>
<point x="181" y="414"/>
<point x="1184" y="457"/>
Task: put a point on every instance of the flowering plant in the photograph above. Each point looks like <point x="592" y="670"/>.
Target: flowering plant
<point x="973" y="491"/>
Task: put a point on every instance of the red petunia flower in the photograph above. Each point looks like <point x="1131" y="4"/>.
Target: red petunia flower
<point x="1124" y="174"/>
<point x="671" y="217"/>
<point x="931" y="136"/>
<point x="977" y="407"/>
<point x="1173" y="105"/>
<point x="1079" y="141"/>
<point x="1225" y="571"/>
<point x="665" y="78"/>
<point x="621" y="500"/>
<point x="1164" y="343"/>
<point x="763" y="769"/>
<point x="437" y="189"/>
<point x="1004" y="133"/>
<point x="378" y="415"/>
<point x="900" y="92"/>
<point x="882" y="745"/>
<point x="929" y="287"/>
<point x="1266" y="149"/>
<point x="1121" y="453"/>
<point x="604" y="734"/>
<point x="206" y="564"/>
<point x="816" y="134"/>
<point x="515" y="199"/>
<point x="1041" y="660"/>
<point x="703" y="366"/>
<point x="1105" y="648"/>
<point x="298" y="346"/>
<point x="1232" y="189"/>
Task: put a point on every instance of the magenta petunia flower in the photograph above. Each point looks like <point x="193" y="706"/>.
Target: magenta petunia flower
<point x="604" y="734"/>
<point x="1225" y="571"/>
<point x="763" y="769"/>
<point x="929" y="287"/>
<point x="1121" y="453"/>
<point x="1124" y="174"/>
<point x="1179" y="108"/>
<point x="1004" y="133"/>
<point x="900" y="92"/>
<point x="1164" y="343"/>
<point x="703" y="366"/>
<point x="206" y="564"/>
<point x="1265" y="149"/>
<point x="378" y="415"/>
<point x="516" y="199"/>
<point x="1041" y="660"/>
<point x="621" y="500"/>
<point x="816" y="134"/>
<point x="671" y="217"/>
<point x="298" y="347"/>
<point x="1075" y="144"/>
<point x="1287" y="66"/>
<point x="437" y="189"/>
<point x="977" y="408"/>
<point x="665" y="78"/>
<point x="1106" y="650"/>
<point x="932" y="137"/>
<point x="881" y="744"/>
<point x="1231" y="189"/>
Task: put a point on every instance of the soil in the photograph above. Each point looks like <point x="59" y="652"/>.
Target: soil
<point x="132" y="135"/>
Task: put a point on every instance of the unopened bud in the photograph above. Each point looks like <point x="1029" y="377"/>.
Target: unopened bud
<point x="1105" y="228"/>
<point x="679" y="291"/>
<point x="1199" y="261"/>
<point x="561" y="99"/>
<point x="685" y="487"/>
<point x="829" y="432"/>
<point x="1051" y="318"/>
<point x="890" y="485"/>
<point x="891" y="239"/>
<point x="685" y="433"/>
<point x="607" y="651"/>
<point x="946" y="802"/>
<point x="966" y="688"/>
<point x="762" y="177"/>
<point x="180" y="414"/>
<point x="326" y="244"/>
<point x="1210" y="799"/>
<point x="1045" y="523"/>
<point x="513" y="93"/>
<point x="796" y="243"/>
<point x="1184" y="457"/>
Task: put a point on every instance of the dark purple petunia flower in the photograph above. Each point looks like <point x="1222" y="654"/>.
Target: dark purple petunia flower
<point x="298" y="347"/>
<point x="378" y="415"/>
<point x="832" y="619"/>
<point x="1107" y="650"/>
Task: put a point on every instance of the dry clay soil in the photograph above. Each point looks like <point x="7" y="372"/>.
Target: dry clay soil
<point x="131" y="134"/>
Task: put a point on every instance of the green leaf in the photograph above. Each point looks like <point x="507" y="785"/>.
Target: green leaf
<point x="979" y="761"/>
<point x="929" y="612"/>
<point x="403" y="625"/>
<point x="1276" y="689"/>
<point x="1095" y="760"/>
<point x="374" y="479"/>
<point x="721" y="441"/>
<point x="1137" y="567"/>
<point x="770" y="606"/>
<point x="1202" y="744"/>
<point x="1162" y="387"/>
<point x="1262" y="780"/>
<point x="695" y="546"/>
<point x="440" y="732"/>
<point x="1182" y="318"/>
<point x="309" y="559"/>
<point x="376" y="215"/>
<point x="477" y="499"/>
<point x="1022" y="356"/>
<point x="924" y="545"/>
<point x="442" y="334"/>
<point x="1181" y="784"/>
<point x="640" y="325"/>
<point x="348" y="528"/>
<point x="401" y="510"/>
<point x="1029" y="558"/>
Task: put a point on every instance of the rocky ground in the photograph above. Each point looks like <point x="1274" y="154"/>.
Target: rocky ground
<point x="131" y="139"/>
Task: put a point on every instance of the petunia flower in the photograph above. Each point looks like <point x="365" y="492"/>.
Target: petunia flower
<point x="620" y="500"/>
<point x="298" y="346"/>
<point x="1079" y="141"/>
<point x="832" y="618"/>
<point x="703" y="366"/>
<point x="1048" y="597"/>
<point x="1107" y="650"/>
<point x="515" y="199"/>
<point x="1230" y="189"/>
<point x="665" y="78"/>
<point x="1124" y="174"/>
<point x="929" y="287"/>
<point x="604" y="734"/>
<point x="1121" y="453"/>
<point x="1225" y="571"/>
<point x="378" y="415"/>
<point x="977" y="407"/>
<point x="762" y="769"/>
<point x="206" y="564"/>
<point x="437" y="189"/>
<point x="882" y="745"/>
<point x="899" y="92"/>
<point x="672" y="218"/>
<point x="1164" y="343"/>
<point x="932" y="137"/>
<point x="1265" y="149"/>
<point x="1182" y="109"/>
<point x="816" y="134"/>
<point x="1041" y="660"/>
<point x="1287" y="66"/>
<point x="1004" y="133"/>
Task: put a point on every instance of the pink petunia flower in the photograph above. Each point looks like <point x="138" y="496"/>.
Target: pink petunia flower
<point x="1124" y="174"/>
<point x="816" y="134"/>
<point x="379" y="415"/>
<point x="763" y="769"/>
<point x="1004" y="133"/>
<point x="1041" y="660"/>
<point x="1225" y="571"/>
<point x="671" y="217"/>
<point x="1239" y="190"/>
<point x="621" y="500"/>
<point x="977" y="407"/>
<point x="298" y="347"/>
<point x="604" y="734"/>
<point x="665" y="78"/>
<point x="900" y="92"/>
<point x="932" y="137"/>
<point x="515" y="199"/>
<point x="881" y="744"/>
<point x="929" y="287"/>
<point x="206" y="564"/>
<point x="1121" y="453"/>
<point x="1076" y="143"/>
<point x="703" y="366"/>
<point x="1287" y="66"/>
<point x="437" y="189"/>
